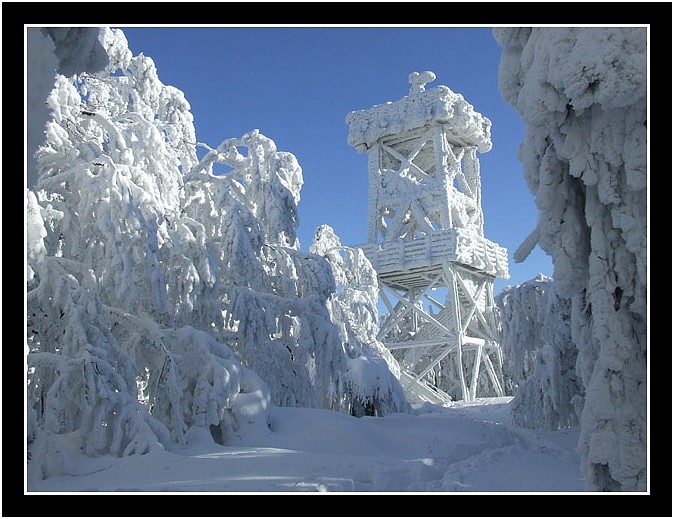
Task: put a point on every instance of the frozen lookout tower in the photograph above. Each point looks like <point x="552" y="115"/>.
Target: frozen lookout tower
<point x="426" y="241"/>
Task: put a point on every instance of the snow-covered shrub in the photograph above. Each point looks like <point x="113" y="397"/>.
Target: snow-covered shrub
<point x="372" y="386"/>
<point x="582" y="93"/>
<point x="539" y="355"/>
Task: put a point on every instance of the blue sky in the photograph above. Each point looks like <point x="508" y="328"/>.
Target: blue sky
<point x="297" y="84"/>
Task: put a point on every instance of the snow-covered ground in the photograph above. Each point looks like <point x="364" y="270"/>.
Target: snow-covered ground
<point x="114" y="359"/>
<point x="464" y="448"/>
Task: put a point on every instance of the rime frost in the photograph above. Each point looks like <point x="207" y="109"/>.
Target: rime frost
<point x="439" y="105"/>
<point x="582" y="95"/>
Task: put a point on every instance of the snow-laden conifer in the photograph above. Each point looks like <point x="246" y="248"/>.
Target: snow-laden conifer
<point x="278" y="304"/>
<point x="372" y="386"/>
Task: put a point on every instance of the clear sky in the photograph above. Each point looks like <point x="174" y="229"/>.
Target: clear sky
<point x="297" y="84"/>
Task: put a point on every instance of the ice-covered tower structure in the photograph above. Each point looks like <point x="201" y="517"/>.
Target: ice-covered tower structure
<point x="426" y="241"/>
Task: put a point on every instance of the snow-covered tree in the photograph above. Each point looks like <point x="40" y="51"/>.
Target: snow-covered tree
<point x="66" y="50"/>
<point x="278" y="306"/>
<point x="582" y="93"/>
<point x="521" y="328"/>
<point x="539" y="355"/>
<point x="167" y="298"/>
<point x="271" y="297"/>
<point x="107" y="361"/>
<point x="371" y="377"/>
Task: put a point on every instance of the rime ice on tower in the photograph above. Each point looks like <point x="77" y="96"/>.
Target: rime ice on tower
<point x="426" y="241"/>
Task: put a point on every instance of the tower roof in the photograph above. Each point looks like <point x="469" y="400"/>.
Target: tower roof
<point x="420" y="108"/>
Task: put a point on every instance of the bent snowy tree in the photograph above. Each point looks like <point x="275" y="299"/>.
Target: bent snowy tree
<point x="108" y="362"/>
<point x="163" y="297"/>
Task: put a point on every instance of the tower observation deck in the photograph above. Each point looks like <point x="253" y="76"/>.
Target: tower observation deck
<point x="426" y="241"/>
